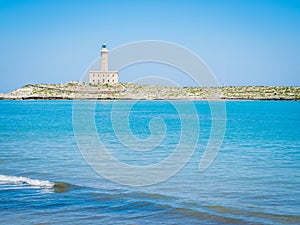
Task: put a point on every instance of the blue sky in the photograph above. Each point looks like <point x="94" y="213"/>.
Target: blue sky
<point x="244" y="42"/>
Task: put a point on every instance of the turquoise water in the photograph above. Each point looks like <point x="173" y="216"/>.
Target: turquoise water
<point x="255" y="178"/>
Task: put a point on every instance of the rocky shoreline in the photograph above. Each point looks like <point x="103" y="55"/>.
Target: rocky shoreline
<point x="129" y="91"/>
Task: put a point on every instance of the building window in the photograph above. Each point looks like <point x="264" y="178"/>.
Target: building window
<point x="108" y="81"/>
<point x="93" y="80"/>
<point x="113" y="81"/>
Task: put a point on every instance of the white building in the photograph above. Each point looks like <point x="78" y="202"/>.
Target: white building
<point x="104" y="76"/>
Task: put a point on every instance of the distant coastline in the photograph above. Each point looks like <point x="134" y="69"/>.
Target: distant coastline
<point x="129" y="91"/>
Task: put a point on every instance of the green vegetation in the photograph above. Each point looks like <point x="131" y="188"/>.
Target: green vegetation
<point x="81" y="90"/>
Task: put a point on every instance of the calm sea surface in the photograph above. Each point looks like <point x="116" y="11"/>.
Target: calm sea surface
<point x="255" y="178"/>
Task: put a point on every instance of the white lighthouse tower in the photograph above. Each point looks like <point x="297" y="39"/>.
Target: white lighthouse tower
<point x="104" y="57"/>
<point x="104" y="76"/>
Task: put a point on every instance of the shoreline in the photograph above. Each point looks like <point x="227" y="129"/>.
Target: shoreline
<point x="141" y="99"/>
<point x="129" y="91"/>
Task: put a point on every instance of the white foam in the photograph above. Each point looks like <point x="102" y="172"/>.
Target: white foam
<point x="25" y="181"/>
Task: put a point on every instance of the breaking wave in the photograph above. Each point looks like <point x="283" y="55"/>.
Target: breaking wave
<point x="25" y="181"/>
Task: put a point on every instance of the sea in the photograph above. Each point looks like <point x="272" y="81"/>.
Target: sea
<point x="47" y="178"/>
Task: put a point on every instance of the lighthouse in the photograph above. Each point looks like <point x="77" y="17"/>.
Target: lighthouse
<point x="103" y="76"/>
<point x="104" y="57"/>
